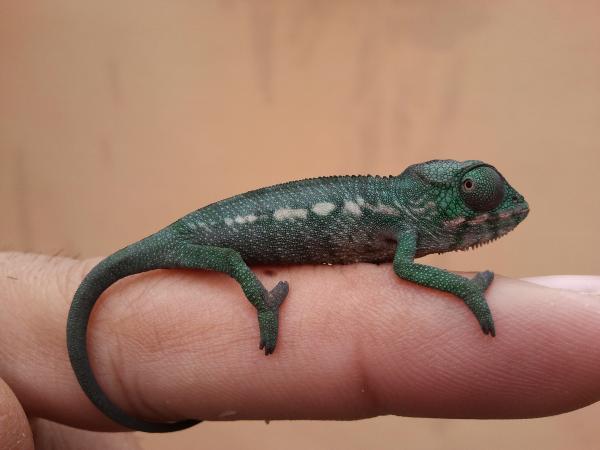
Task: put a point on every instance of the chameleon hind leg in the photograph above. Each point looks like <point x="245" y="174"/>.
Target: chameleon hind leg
<point x="267" y="303"/>
<point x="470" y="291"/>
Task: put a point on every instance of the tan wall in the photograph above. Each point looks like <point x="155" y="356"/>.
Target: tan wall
<point x="118" y="117"/>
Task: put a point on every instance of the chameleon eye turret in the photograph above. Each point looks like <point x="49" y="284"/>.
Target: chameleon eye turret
<point x="482" y="188"/>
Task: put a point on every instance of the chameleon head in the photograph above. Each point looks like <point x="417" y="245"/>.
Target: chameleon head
<point x="475" y="205"/>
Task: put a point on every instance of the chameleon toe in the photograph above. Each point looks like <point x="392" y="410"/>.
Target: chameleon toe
<point x="278" y="294"/>
<point x="483" y="279"/>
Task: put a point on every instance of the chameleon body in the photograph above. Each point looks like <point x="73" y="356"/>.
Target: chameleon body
<point x="436" y="206"/>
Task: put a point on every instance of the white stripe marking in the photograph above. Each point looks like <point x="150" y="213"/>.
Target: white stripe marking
<point x="289" y="213"/>
<point x="383" y="209"/>
<point x="246" y="219"/>
<point x="352" y="208"/>
<point x="324" y="208"/>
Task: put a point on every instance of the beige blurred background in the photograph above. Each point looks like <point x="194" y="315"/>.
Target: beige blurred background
<point x="118" y="117"/>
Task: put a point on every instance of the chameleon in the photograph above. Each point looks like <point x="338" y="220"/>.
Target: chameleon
<point x="432" y="207"/>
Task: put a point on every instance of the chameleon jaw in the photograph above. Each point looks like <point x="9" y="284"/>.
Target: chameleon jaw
<point x="487" y="227"/>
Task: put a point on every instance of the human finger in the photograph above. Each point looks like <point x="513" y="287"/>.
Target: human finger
<point x="355" y="341"/>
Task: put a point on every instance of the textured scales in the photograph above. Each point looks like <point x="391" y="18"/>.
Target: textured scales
<point x="436" y="206"/>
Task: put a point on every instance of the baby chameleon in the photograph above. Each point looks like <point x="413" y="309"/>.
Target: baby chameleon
<point x="436" y="206"/>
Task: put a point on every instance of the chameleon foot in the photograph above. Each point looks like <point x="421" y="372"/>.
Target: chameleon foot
<point x="268" y="317"/>
<point x="478" y="305"/>
<point x="487" y="326"/>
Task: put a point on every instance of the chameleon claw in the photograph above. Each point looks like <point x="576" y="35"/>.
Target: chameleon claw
<point x="487" y="326"/>
<point x="268" y="334"/>
<point x="268" y="349"/>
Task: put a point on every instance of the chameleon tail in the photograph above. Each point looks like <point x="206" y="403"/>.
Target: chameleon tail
<point x="148" y="254"/>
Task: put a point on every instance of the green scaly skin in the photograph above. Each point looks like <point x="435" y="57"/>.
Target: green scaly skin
<point x="437" y="206"/>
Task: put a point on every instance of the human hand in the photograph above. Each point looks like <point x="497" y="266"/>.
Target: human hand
<point x="355" y="341"/>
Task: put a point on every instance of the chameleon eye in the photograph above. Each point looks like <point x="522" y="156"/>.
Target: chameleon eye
<point x="482" y="189"/>
<point x="467" y="185"/>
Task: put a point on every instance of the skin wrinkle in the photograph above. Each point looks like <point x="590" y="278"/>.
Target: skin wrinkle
<point x="63" y="284"/>
<point x="416" y="340"/>
<point x="141" y="404"/>
<point x="115" y="363"/>
<point x="399" y="328"/>
<point x="369" y="397"/>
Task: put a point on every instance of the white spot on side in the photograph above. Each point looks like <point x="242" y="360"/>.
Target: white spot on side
<point x="352" y="208"/>
<point x="246" y="219"/>
<point x="324" y="208"/>
<point x="228" y="221"/>
<point x="360" y="201"/>
<point x="227" y="413"/>
<point x="289" y="213"/>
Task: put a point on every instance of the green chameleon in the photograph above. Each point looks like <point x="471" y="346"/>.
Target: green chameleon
<point x="437" y="206"/>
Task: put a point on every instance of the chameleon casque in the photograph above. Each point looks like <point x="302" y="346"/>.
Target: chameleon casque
<point x="432" y="207"/>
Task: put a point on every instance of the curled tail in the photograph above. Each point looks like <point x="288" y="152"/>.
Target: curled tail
<point x="148" y="254"/>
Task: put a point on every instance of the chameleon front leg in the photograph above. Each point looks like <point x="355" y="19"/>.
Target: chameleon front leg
<point x="267" y="303"/>
<point x="470" y="291"/>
